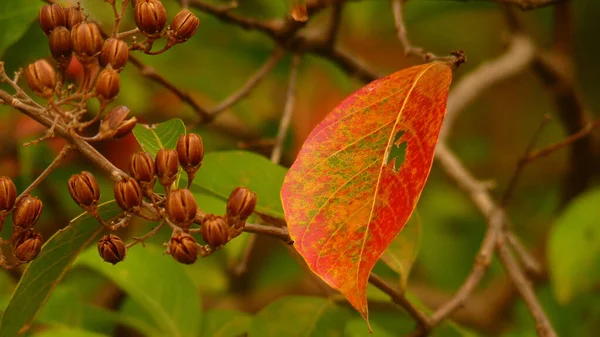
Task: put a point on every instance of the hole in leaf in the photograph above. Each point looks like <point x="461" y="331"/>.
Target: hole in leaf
<point x="397" y="152"/>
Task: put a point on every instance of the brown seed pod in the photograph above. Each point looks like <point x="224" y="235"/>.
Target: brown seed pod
<point x="215" y="230"/>
<point x="27" y="245"/>
<point x="183" y="248"/>
<point x="74" y="15"/>
<point x="150" y="17"/>
<point x="112" y="249"/>
<point x="128" y="194"/>
<point x="141" y="168"/>
<point x="181" y="207"/>
<point x="166" y="167"/>
<point x="87" y="40"/>
<point x="108" y="84"/>
<point x="8" y="195"/>
<point x="114" y="124"/>
<point x="41" y="78"/>
<point x="190" y="152"/>
<point x="27" y="211"/>
<point x="184" y="26"/>
<point x="84" y="190"/>
<point x="114" y="52"/>
<point x="241" y="203"/>
<point x="61" y="47"/>
<point x="51" y="16"/>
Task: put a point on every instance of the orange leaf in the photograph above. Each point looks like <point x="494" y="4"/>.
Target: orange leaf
<point x="348" y="193"/>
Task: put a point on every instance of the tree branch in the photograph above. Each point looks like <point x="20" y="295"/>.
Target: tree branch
<point x="514" y="61"/>
<point x="249" y="85"/>
<point x="287" y="112"/>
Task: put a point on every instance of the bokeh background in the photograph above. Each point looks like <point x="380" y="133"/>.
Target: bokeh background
<point x="490" y="136"/>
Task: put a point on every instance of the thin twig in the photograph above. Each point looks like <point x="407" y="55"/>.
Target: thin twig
<point x="54" y="164"/>
<point x="334" y="24"/>
<point x="249" y="85"/>
<point x="409" y="49"/>
<point x="276" y="232"/>
<point x="514" y="271"/>
<point x="399" y="299"/>
<point x="547" y="150"/>
<point x="287" y="112"/>
<point x="514" y="61"/>
<point x="152" y="74"/>
<point x="482" y="263"/>
<point x="522" y="163"/>
<point x="530" y="264"/>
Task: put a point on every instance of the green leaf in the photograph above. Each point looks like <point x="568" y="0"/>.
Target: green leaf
<point x="66" y="332"/>
<point x="225" y="323"/>
<point x="155" y="137"/>
<point x="301" y="316"/>
<point x="15" y="18"/>
<point x="574" y="248"/>
<point x="45" y="272"/>
<point x="221" y="172"/>
<point x="158" y="284"/>
<point x="402" y="252"/>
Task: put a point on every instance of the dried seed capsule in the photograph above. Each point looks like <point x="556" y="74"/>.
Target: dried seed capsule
<point x="112" y="249"/>
<point x="114" y="124"/>
<point x="114" y="52"/>
<point x="181" y="207"/>
<point x="27" y="211"/>
<point x="125" y="128"/>
<point x="150" y="17"/>
<point x="190" y="152"/>
<point x="60" y="43"/>
<point x="215" y="230"/>
<point x="166" y="167"/>
<point x="141" y="167"/>
<point x="8" y="194"/>
<point x="51" y="16"/>
<point x="183" y="248"/>
<point x="184" y="26"/>
<point x="108" y="84"/>
<point x="128" y="194"/>
<point x="41" y="78"/>
<point x="74" y="15"/>
<point x="87" y="40"/>
<point x="27" y="245"/>
<point x="241" y="203"/>
<point x="84" y="190"/>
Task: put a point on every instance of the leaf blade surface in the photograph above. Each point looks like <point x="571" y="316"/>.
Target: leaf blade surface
<point x="349" y="193"/>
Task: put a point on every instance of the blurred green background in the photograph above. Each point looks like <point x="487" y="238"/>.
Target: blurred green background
<point x="490" y="136"/>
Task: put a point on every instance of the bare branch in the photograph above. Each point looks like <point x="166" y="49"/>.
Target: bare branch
<point x="54" y="164"/>
<point x="522" y="162"/>
<point x="531" y="156"/>
<point x="249" y="85"/>
<point x="409" y="49"/>
<point x="287" y="112"/>
<point x="399" y="299"/>
<point x="514" y="61"/>
<point x="514" y="271"/>
<point x="150" y="73"/>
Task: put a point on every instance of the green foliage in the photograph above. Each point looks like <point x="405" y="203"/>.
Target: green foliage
<point x="66" y="332"/>
<point x="300" y="316"/>
<point x="225" y="323"/>
<point x="158" y="284"/>
<point x="45" y="272"/>
<point x="574" y="248"/>
<point x="155" y="137"/>
<point x="15" y="17"/>
<point x="222" y="172"/>
<point x="402" y="252"/>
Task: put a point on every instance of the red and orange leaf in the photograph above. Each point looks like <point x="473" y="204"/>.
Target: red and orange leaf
<point x="346" y="197"/>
